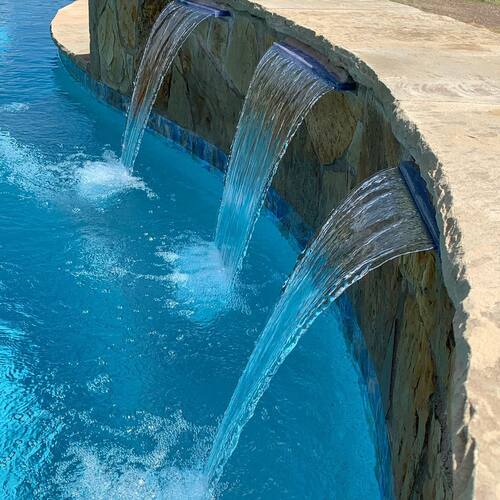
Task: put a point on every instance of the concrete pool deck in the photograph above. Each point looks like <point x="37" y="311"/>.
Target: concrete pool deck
<point x="439" y="83"/>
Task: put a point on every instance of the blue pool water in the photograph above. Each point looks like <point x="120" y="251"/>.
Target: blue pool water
<point x="112" y="382"/>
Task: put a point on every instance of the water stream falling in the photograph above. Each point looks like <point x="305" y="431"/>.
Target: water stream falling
<point x="282" y="92"/>
<point x="377" y="222"/>
<point x="173" y="26"/>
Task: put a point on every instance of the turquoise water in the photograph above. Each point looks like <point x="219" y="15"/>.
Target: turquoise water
<point x="111" y="381"/>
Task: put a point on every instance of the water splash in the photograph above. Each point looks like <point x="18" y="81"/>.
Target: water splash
<point x="94" y="179"/>
<point x="281" y="94"/>
<point x="119" y="472"/>
<point x="98" y="480"/>
<point x="202" y="282"/>
<point x="377" y="222"/>
<point x="103" y="179"/>
<point x="173" y="26"/>
<point x="24" y="166"/>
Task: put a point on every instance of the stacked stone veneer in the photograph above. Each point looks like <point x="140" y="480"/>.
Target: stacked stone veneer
<point x="403" y="308"/>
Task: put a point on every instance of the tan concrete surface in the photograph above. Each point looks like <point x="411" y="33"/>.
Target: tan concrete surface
<point x="439" y="82"/>
<point x="70" y="28"/>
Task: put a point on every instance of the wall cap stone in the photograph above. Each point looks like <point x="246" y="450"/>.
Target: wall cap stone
<point x="70" y="29"/>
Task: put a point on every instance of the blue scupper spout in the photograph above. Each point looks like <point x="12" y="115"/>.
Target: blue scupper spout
<point x="420" y="195"/>
<point x="209" y="8"/>
<point x="338" y="79"/>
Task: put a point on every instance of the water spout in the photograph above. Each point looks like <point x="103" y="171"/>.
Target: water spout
<point x="287" y="83"/>
<point x="418" y="191"/>
<point x="211" y="9"/>
<point x="376" y="223"/>
<point x="173" y="26"/>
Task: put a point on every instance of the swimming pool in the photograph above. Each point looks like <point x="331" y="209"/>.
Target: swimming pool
<point x="111" y="381"/>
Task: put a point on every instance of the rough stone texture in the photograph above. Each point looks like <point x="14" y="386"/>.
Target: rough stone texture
<point x="429" y="87"/>
<point x="114" y="36"/>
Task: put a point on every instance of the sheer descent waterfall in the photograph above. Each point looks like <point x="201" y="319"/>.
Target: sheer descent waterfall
<point x="173" y="26"/>
<point x="286" y="85"/>
<point x="377" y="222"/>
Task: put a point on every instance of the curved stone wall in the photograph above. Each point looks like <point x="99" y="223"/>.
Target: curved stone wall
<point x="418" y="338"/>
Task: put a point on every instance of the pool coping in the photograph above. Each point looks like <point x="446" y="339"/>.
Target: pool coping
<point x="445" y="110"/>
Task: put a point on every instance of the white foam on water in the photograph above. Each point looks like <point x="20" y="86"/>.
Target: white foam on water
<point x="203" y="285"/>
<point x="102" y="473"/>
<point x="104" y="178"/>
<point x="14" y="107"/>
<point x="22" y="166"/>
<point x="178" y="278"/>
<point x="93" y="179"/>
<point x="98" y="481"/>
<point x="169" y="257"/>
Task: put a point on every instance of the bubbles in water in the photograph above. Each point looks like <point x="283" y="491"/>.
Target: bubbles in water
<point x="103" y="259"/>
<point x="14" y="107"/>
<point x="98" y="481"/>
<point x="203" y="284"/>
<point x="95" y="180"/>
<point x="104" y="178"/>
<point x="178" y="278"/>
<point x="188" y="485"/>
<point x="169" y="257"/>
<point x="99" y="384"/>
<point x="118" y="472"/>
